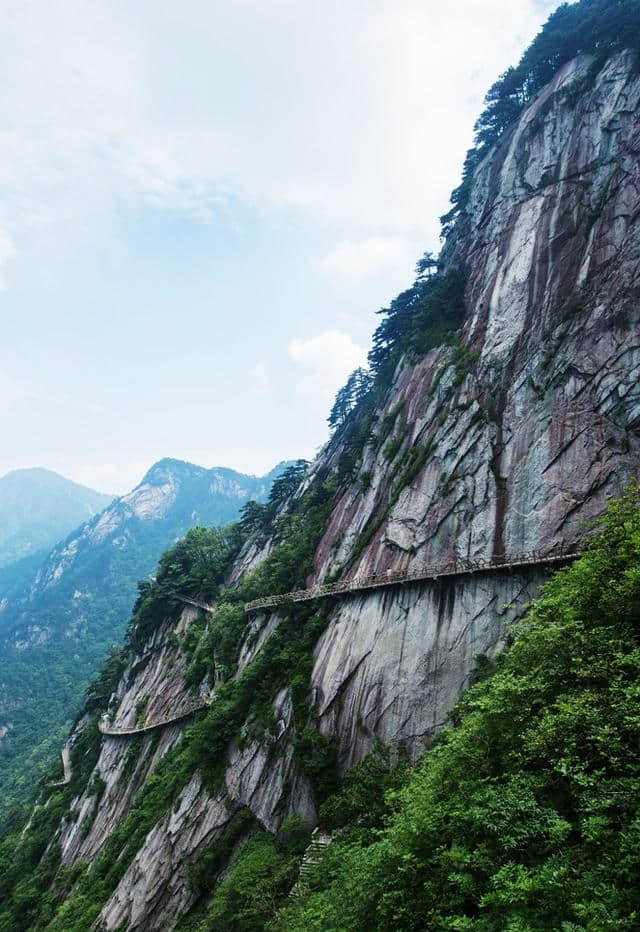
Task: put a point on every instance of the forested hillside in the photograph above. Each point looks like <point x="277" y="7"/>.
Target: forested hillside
<point x="60" y="624"/>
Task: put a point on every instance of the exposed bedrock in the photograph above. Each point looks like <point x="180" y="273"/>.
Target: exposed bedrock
<point x="529" y="441"/>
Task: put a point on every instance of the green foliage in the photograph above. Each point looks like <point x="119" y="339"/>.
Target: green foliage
<point x="392" y="448"/>
<point x="407" y="468"/>
<point x="362" y="801"/>
<point x="526" y="815"/>
<point x="258" y="882"/>
<point x="285" y="659"/>
<point x="204" y="872"/>
<point x="256" y="517"/>
<point x="101" y="688"/>
<point x="350" y="396"/>
<point x="599" y="27"/>
<point x="212" y="646"/>
<point x="365" y="480"/>
<point x="421" y="318"/>
<point x="248" y="898"/>
<point x="194" y="567"/>
<point x="317" y="758"/>
<point x="300" y="530"/>
<point x="141" y="711"/>
<point x="389" y="420"/>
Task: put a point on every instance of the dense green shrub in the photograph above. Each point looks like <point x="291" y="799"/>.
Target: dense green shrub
<point x="362" y="801"/>
<point x="527" y="815"/>
<point x="299" y="533"/>
<point x="256" y="517"/>
<point x="194" y="567"/>
<point x="421" y="318"/>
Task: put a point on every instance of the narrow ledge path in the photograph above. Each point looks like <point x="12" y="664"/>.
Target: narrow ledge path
<point x="201" y="605"/>
<point x="114" y="731"/>
<point x="430" y="573"/>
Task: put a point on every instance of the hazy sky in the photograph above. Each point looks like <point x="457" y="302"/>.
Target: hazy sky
<point x="203" y="205"/>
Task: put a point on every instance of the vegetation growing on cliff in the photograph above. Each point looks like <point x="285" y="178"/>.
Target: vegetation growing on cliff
<point x="526" y="815"/>
<point x="589" y="26"/>
<point x="34" y="893"/>
<point x="68" y="628"/>
<point x="426" y="315"/>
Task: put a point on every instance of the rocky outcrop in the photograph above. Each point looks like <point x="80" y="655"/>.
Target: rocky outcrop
<point x="531" y="438"/>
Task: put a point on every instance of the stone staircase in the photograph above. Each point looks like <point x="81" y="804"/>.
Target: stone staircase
<point x="313" y="854"/>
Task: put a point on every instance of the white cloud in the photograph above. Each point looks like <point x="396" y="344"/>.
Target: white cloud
<point x="132" y="104"/>
<point x="15" y="392"/>
<point x="326" y="360"/>
<point x="11" y="392"/>
<point x="393" y="256"/>
<point x="114" y="478"/>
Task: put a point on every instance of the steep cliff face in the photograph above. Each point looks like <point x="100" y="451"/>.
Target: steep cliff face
<point x="529" y="441"/>
<point x="505" y="447"/>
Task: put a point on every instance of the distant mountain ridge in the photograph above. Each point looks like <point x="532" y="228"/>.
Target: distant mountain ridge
<point x="56" y="630"/>
<point x="39" y="507"/>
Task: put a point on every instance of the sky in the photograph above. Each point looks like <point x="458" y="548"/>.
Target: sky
<point x="203" y="205"/>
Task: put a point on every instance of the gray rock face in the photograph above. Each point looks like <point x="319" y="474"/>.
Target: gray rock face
<point x="531" y="440"/>
<point x="390" y="666"/>
<point x="519" y="449"/>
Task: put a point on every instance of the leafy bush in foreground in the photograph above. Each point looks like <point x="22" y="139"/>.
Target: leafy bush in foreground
<point x="527" y="815"/>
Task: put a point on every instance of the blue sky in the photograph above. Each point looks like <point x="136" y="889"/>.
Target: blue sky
<point x="204" y="204"/>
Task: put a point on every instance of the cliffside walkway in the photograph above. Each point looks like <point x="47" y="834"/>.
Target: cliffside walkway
<point x="106" y="728"/>
<point x="66" y="767"/>
<point x="313" y="854"/>
<point x="431" y="572"/>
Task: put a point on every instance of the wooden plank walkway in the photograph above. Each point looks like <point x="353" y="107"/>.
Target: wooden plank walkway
<point x="432" y="572"/>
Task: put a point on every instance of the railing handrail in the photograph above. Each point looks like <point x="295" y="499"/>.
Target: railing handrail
<point x="459" y="566"/>
<point x="184" y="712"/>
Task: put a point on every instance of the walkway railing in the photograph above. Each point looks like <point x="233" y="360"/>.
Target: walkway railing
<point x="106" y="728"/>
<point x="435" y="571"/>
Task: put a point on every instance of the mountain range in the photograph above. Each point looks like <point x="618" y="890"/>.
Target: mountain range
<point x="441" y="730"/>
<point x="60" y="616"/>
<point x="38" y="508"/>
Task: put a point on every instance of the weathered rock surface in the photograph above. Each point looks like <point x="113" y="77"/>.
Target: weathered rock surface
<point x="544" y="427"/>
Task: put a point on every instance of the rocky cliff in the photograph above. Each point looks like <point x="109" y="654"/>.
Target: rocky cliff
<point x="508" y="446"/>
